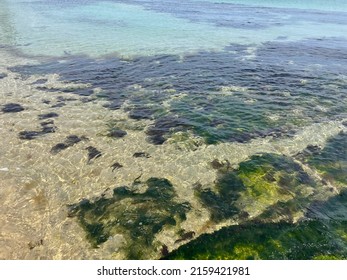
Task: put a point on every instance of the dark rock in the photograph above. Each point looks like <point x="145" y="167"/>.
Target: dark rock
<point x="93" y="153"/>
<point x="58" y="105"/>
<point x="186" y="236"/>
<point x="58" y="148"/>
<point x="29" y="135"/>
<point x="84" y="91"/>
<point x="86" y="99"/>
<point x="216" y="164"/>
<point x="116" y="165"/>
<point x="39" y="82"/>
<point x="73" y="139"/>
<point x="139" y="217"/>
<point x="241" y="138"/>
<point x="46" y="89"/>
<point x="69" y="141"/>
<point x="166" y="125"/>
<point x="47" y="116"/>
<point x="12" y="108"/>
<point x="117" y="133"/>
<point x="3" y="75"/>
<point x="63" y="99"/>
<point x="156" y="139"/>
<point x="48" y="129"/>
<point x="141" y="154"/>
<point x="141" y="113"/>
<point x="164" y="250"/>
<point x="310" y="150"/>
<point x="45" y="123"/>
<point x="114" y="105"/>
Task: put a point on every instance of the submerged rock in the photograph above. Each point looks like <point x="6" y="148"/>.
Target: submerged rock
<point x="216" y="164"/>
<point x="3" y="75"/>
<point x="29" y="135"/>
<point x="114" y="105"/>
<point x="261" y="182"/>
<point x="58" y="148"/>
<point x="141" y="113"/>
<point x="116" y="133"/>
<point x="12" y="108"/>
<point x="116" y="165"/>
<point x="93" y="153"/>
<point x="58" y="105"/>
<point x="164" y="125"/>
<point x="47" y="116"/>
<point x="69" y="141"/>
<point x="39" y="82"/>
<point x="141" y="155"/>
<point x="137" y="216"/>
<point x="46" y="127"/>
<point x="269" y="241"/>
<point x="185" y="236"/>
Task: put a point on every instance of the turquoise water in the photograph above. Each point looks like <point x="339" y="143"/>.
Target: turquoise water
<point x="332" y="5"/>
<point x="214" y="110"/>
<point x="149" y="27"/>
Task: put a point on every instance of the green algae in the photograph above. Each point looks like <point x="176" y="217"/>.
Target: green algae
<point x="311" y="239"/>
<point x="261" y="182"/>
<point x="331" y="161"/>
<point x="322" y="235"/>
<point x="138" y="215"/>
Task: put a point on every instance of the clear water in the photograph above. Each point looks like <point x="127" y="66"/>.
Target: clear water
<point x="128" y="125"/>
<point x="149" y="27"/>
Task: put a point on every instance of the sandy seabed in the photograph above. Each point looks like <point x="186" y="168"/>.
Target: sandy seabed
<point x="36" y="185"/>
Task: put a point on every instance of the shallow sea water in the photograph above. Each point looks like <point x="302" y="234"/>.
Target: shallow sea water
<point x="130" y="128"/>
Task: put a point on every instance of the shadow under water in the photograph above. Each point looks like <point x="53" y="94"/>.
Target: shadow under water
<point x="137" y="212"/>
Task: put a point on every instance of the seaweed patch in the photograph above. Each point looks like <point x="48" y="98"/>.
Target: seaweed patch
<point x="93" y="153"/>
<point x="257" y="184"/>
<point x="12" y="108"/>
<point x="3" y="75"/>
<point x="46" y="127"/>
<point x="47" y="116"/>
<point x="141" y="155"/>
<point x="165" y="125"/>
<point x="116" y="165"/>
<point x="313" y="239"/>
<point x="116" y="133"/>
<point x="139" y="216"/>
<point x="68" y="142"/>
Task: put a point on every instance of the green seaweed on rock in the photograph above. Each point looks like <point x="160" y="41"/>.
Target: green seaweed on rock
<point x="135" y="214"/>
<point x="311" y="239"/>
<point x="258" y="183"/>
<point x="322" y="235"/>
